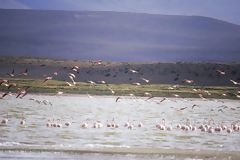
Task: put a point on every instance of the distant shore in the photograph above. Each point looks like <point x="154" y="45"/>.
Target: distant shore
<point x="202" y="73"/>
<point x="147" y="80"/>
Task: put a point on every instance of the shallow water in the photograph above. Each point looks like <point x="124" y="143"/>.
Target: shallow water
<point x="79" y="109"/>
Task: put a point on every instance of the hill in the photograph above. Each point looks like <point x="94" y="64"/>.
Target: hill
<point x="117" y="36"/>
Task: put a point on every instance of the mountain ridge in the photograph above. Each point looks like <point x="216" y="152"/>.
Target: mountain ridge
<point x="121" y="12"/>
<point x="117" y="36"/>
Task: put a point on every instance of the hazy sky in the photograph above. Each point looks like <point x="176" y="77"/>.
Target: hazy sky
<point x="228" y="10"/>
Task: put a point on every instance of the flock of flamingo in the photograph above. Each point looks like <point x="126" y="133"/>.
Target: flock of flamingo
<point x="207" y="126"/>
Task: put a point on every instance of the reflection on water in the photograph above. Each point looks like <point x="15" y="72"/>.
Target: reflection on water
<point x="80" y="109"/>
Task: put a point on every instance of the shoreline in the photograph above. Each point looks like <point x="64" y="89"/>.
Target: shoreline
<point x="123" y="96"/>
<point x="129" y="151"/>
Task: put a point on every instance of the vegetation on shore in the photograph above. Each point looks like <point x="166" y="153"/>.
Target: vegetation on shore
<point x="160" y="90"/>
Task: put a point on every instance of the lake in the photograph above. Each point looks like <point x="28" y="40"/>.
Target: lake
<point x="35" y="137"/>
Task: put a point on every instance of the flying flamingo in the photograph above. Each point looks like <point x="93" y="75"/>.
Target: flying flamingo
<point x="146" y="80"/>
<point x="22" y="92"/>
<point x="47" y="78"/>
<point x="12" y="85"/>
<point x="133" y="71"/>
<point x="234" y="82"/>
<point x="221" y="72"/>
<point x="188" y="81"/>
<point x="11" y="74"/>
<point x="24" y="73"/>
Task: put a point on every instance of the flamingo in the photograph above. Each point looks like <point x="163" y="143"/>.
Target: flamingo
<point x="59" y="92"/>
<point x="22" y="92"/>
<point x="224" y="94"/>
<point x="102" y="82"/>
<point x="176" y="95"/>
<point x="140" y="124"/>
<point x="108" y="124"/>
<point x="218" y="129"/>
<point x="75" y="69"/>
<point x="59" y="125"/>
<point x="179" y="126"/>
<point x="113" y="124"/>
<point x="133" y="71"/>
<point x="47" y="78"/>
<point x="46" y="102"/>
<point x="194" y="128"/>
<point x="229" y="130"/>
<point x="211" y="130"/>
<point x="24" y="73"/>
<point x="12" y="85"/>
<point x="236" y="127"/>
<point x="89" y="96"/>
<point x="170" y="88"/>
<point x="146" y="80"/>
<point x="22" y="122"/>
<point x="161" y="126"/>
<point x="130" y="126"/>
<point x="189" y="81"/>
<point x="112" y="91"/>
<point x="55" y="73"/>
<point x="11" y="74"/>
<point x="195" y="90"/>
<point x="194" y="105"/>
<point x="92" y="82"/>
<point x="224" y="127"/>
<point x="237" y="95"/>
<point x="204" y="129"/>
<point x="208" y="93"/>
<point x="97" y="124"/>
<point x="201" y="96"/>
<point x="3" y="81"/>
<point x="72" y="75"/>
<point x="164" y="99"/>
<point x="169" y="128"/>
<point x="48" y="124"/>
<point x="73" y="81"/>
<point x="117" y="99"/>
<point x="221" y="72"/>
<point x="234" y="82"/>
<point x="131" y="95"/>
<point x="127" y="124"/>
<point x="147" y="94"/>
<point x="97" y="62"/>
<point x="69" y="84"/>
<point x="4" y="121"/>
<point x="5" y="94"/>
<point x="85" y="125"/>
<point x="183" y="108"/>
<point x="68" y="124"/>
<point x="137" y="84"/>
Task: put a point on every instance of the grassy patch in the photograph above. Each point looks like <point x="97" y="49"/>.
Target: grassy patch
<point x="53" y="86"/>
